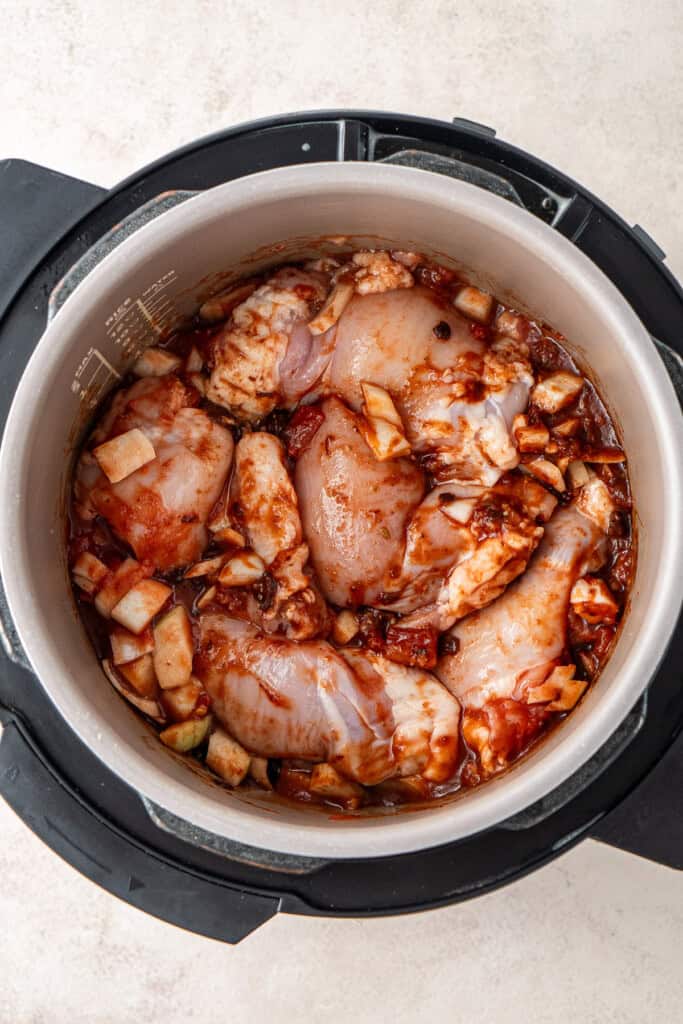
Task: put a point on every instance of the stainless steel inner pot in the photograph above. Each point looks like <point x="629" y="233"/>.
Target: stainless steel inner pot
<point x="158" y="275"/>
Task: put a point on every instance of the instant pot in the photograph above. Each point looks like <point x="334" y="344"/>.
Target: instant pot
<point x="102" y="800"/>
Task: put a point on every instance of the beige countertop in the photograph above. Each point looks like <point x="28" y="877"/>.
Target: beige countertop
<point x="97" y="90"/>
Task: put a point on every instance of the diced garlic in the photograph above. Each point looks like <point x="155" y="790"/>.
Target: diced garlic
<point x="242" y="570"/>
<point x="181" y="701"/>
<point x="149" y="707"/>
<point x="378" y="273"/>
<point x="513" y="325"/>
<point x="385" y="439"/>
<point x="227" y="758"/>
<point x="258" y="770"/>
<point x="173" y="649"/>
<point x="592" y="599"/>
<point x="578" y="474"/>
<point x="206" y="597"/>
<point x="546" y="471"/>
<point x="185" y="736"/>
<point x="378" y="403"/>
<point x="336" y="303"/>
<point x="127" y="646"/>
<point x="156" y="362"/>
<point x="124" y="454"/>
<point x="459" y="510"/>
<point x="208" y="567"/>
<point x="137" y="608"/>
<point x="345" y="627"/>
<point x="474" y="303"/>
<point x="557" y="391"/>
<point x="141" y="675"/>
<point x="219" y="307"/>
<point x="327" y="782"/>
<point x="88" y="572"/>
<point x="194" y="361"/>
<point x="117" y="584"/>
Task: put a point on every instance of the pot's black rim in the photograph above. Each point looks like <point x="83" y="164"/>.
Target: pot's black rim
<point x="94" y="820"/>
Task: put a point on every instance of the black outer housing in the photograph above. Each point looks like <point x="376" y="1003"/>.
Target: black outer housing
<point x="95" y="821"/>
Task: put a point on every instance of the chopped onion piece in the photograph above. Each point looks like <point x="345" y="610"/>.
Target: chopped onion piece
<point x="242" y="570"/>
<point x="345" y="627"/>
<point x="553" y="685"/>
<point x="513" y="325"/>
<point x="117" y="584"/>
<point x="326" y="781"/>
<point x="194" y="361"/>
<point x="567" y="428"/>
<point x="186" y="735"/>
<point x="557" y="391"/>
<point x="592" y="599"/>
<point x="385" y="439"/>
<point x="219" y="307"/>
<point x="173" y="649"/>
<point x="378" y="403"/>
<point x="227" y="758"/>
<point x="460" y="510"/>
<point x="605" y="456"/>
<point x="571" y="692"/>
<point x="137" y="608"/>
<point x="258" y="770"/>
<point x="151" y="708"/>
<point x="578" y="474"/>
<point x="208" y="567"/>
<point x="124" y="454"/>
<point x="206" y="597"/>
<point x="198" y="382"/>
<point x="141" y="675"/>
<point x="156" y="362"/>
<point x="336" y="303"/>
<point x="127" y="646"/>
<point x="529" y="438"/>
<point x="181" y="701"/>
<point x="548" y="472"/>
<point x="229" y="536"/>
<point x="88" y="572"/>
<point x="474" y="303"/>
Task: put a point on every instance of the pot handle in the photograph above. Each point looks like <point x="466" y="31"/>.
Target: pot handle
<point x="97" y="849"/>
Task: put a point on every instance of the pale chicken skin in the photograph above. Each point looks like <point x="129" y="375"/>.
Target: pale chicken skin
<point x="512" y="646"/>
<point x="161" y="509"/>
<point x="371" y="719"/>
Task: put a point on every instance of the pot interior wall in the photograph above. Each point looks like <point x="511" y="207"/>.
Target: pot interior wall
<point x="270" y="226"/>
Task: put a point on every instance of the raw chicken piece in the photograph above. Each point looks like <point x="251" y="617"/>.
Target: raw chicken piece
<point x="456" y="396"/>
<point x="354" y="509"/>
<point x="161" y="509"/>
<point x="265" y="355"/>
<point x="264" y="507"/>
<point x="369" y="718"/>
<point x="513" y="645"/>
<point x="374" y="542"/>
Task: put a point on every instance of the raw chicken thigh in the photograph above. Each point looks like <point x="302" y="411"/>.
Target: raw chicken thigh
<point x="508" y="651"/>
<point x="266" y="354"/>
<point x="457" y="397"/>
<point x="161" y="508"/>
<point x="369" y="718"/>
